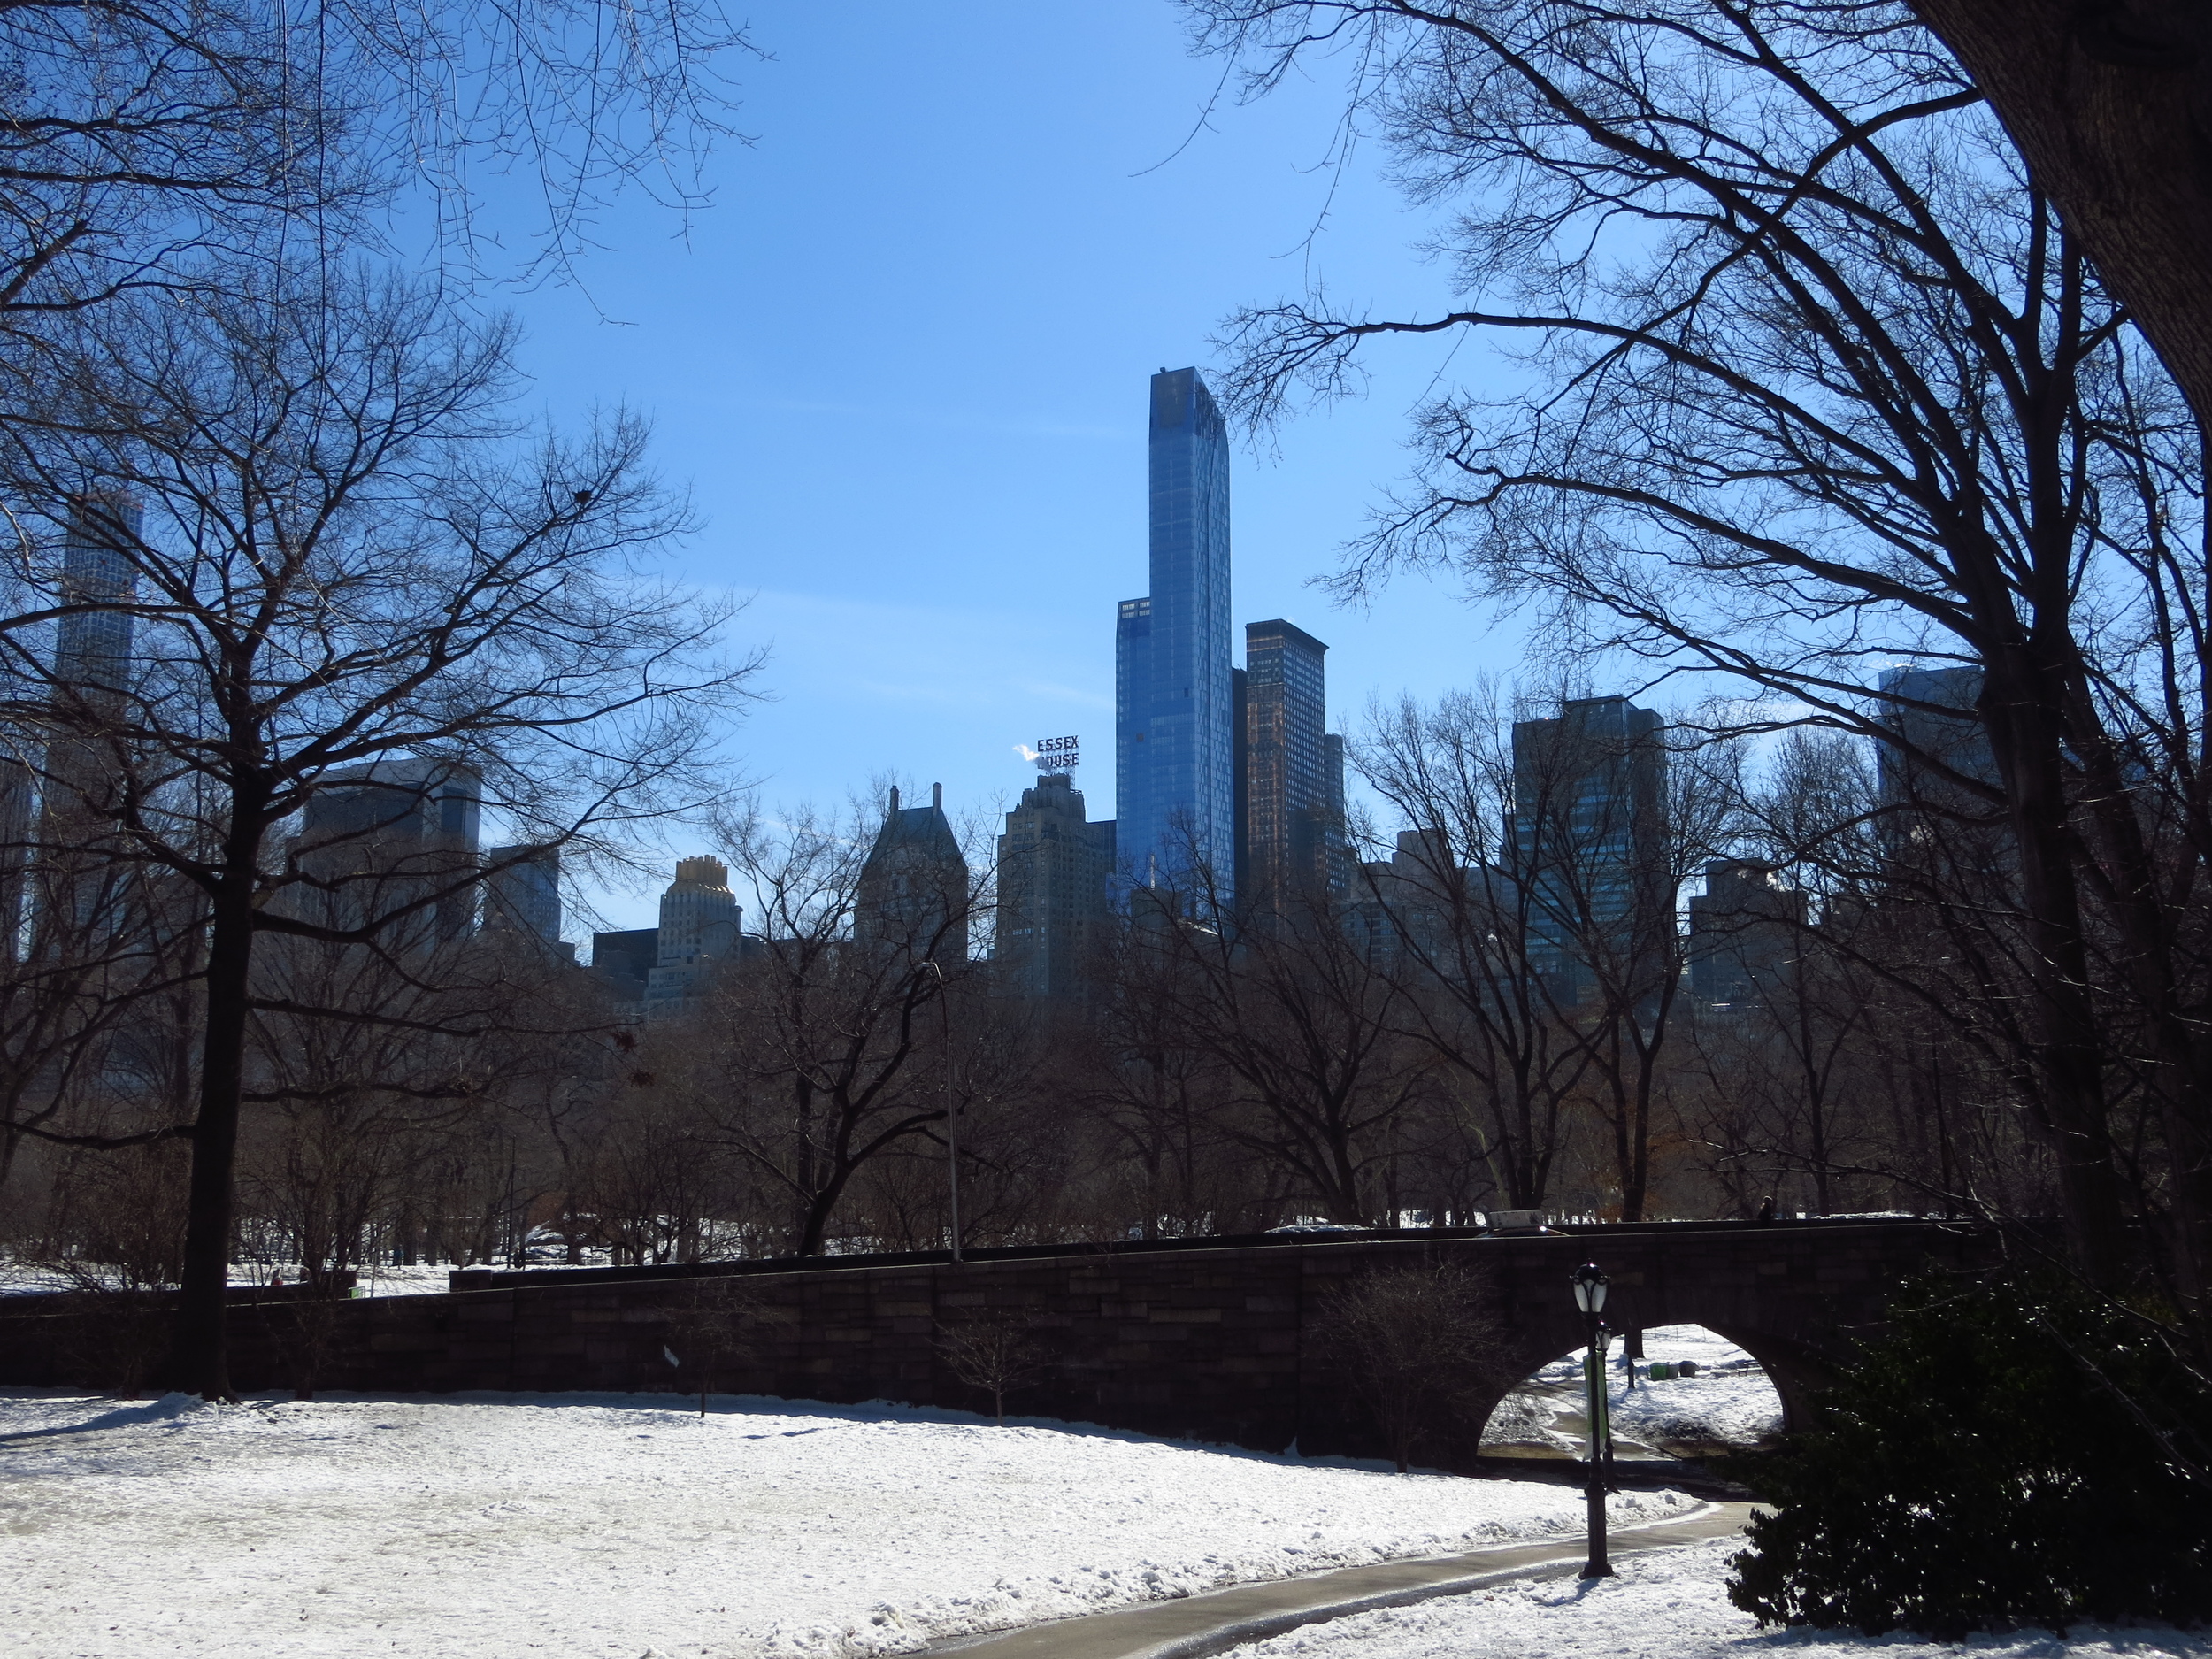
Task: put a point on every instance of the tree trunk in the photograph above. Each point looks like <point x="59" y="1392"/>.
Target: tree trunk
<point x="2026" y="735"/>
<point x="2110" y="102"/>
<point x="198" y="1361"/>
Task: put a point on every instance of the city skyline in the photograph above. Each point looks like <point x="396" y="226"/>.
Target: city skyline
<point x="934" y="520"/>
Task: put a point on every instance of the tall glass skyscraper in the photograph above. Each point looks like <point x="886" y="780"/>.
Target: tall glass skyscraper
<point x="1290" y="799"/>
<point x="1174" y="708"/>
<point x="1589" y="826"/>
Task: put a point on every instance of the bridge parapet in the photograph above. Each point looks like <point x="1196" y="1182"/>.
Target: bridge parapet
<point x="1207" y="1339"/>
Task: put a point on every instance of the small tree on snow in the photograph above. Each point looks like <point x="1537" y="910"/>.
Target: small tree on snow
<point x="1418" y="1344"/>
<point x="994" y="1352"/>
<point x="708" y="1332"/>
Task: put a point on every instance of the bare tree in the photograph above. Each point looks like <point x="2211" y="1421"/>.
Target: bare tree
<point x="1819" y="383"/>
<point x="995" y="1352"/>
<point x="829" y="1045"/>
<point x="170" y="144"/>
<point x="336" y="554"/>
<point x="1302" y="1024"/>
<point x="1419" y="1345"/>
<point x="710" y="1329"/>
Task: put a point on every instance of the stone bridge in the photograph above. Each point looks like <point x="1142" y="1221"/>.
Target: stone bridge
<point x="1200" y="1338"/>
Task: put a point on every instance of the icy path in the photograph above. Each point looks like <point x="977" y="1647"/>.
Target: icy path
<point x="607" y="1524"/>
<point x="1665" y="1606"/>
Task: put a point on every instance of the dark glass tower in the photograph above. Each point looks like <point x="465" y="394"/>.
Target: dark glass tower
<point x="522" y="892"/>
<point x="1174" y="713"/>
<point x="1289" y="794"/>
<point x="1589" y="818"/>
<point x="379" y="838"/>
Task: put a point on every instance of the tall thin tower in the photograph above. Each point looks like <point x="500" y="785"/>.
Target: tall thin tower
<point x="1174" y="714"/>
<point x="82" y="878"/>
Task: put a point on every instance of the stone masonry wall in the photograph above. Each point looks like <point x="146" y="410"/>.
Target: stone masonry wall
<point x="1206" y="1343"/>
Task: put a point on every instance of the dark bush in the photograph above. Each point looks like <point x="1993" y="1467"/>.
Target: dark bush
<point x="2011" y="1454"/>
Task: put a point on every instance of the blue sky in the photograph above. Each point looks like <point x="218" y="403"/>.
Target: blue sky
<point x="902" y="363"/>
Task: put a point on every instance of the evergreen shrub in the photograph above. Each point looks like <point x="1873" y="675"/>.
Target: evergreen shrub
<point x="2011" y="1454"/>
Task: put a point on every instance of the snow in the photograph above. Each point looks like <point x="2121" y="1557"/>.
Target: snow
<point x="1671" y="1604"/>
<point x="1730" y="1403"/>
<point x="26" y="1279"/>
<point x="611" y="1524"/>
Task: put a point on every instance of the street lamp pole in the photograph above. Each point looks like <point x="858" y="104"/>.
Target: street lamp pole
<point x="1589" y="1287"/>
<point x="952" y="1121"/>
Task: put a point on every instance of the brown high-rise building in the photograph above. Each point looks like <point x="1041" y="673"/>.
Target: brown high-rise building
<point x="1293" y="785"/>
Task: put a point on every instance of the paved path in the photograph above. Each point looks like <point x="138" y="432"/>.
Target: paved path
<point x="1191" y="1626"/>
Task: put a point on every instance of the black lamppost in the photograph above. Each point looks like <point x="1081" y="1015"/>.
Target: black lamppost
<point x="1590" y="1298"/>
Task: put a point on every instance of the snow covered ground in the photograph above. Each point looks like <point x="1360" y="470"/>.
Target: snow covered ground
<point x="1729" y="1404"/>
<point x="26" y="1278"/>
<point x="1668" y="1605"/>
<point x="609" y="1525"/>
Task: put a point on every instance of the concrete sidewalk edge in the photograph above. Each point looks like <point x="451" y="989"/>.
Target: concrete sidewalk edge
<point x="1244" y="1614"/>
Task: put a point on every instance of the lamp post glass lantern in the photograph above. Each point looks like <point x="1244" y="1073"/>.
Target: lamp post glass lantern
<point x="1589" y="1287"/>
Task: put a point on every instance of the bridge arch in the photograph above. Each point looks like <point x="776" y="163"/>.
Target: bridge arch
<point x="1733" y="1397"/>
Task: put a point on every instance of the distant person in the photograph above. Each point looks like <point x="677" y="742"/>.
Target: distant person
<point x="276" y="1280"/>
<point x="1766" y="1210"/>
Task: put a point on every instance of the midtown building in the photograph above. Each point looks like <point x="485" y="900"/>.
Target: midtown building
<point x="1746" y="932"/>
<point x="1589" y="842"/>
<point x="625" y="958"/>
<point x="378" y="839"/>
<point x="1175" y="728"/>
<point x="81" y="772"/>
<point x="522" y="893"/>
<point x="1293" y="773"/>
<point x="914" y="893"/>
<point x="1053" y="869"/>
<point x="1399" y="912"/>
<point x="699" y="931"/>
<point x="1933" y="711"/>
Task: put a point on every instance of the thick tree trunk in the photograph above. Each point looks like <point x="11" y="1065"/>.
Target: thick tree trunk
<point x="198" y="1361"/>
<point x="2110" y="102"/>
<point x="2021" y="710"/>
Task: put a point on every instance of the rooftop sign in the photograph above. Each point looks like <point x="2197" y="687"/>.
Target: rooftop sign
<point x="1056" y="754"/>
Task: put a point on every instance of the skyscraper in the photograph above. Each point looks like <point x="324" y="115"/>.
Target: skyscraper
<point x="914" y="895"/>
<point x="1950" y="734"/>
<point x="699" y="929"/>
<point x="1289" y="795"/>
<point x="1931" y="821"/>
<point x="92" y="646"/>
<point x="522" y="892"/>
<point x="83" y="767"/>
<point x="1746" y="935"/>
<point x="626" y="959"/>
<point x="1174" y="714"/>
<point x="1589" y="823"/>
<point x="1053" y="864"/>
<point x="381" y="837"/>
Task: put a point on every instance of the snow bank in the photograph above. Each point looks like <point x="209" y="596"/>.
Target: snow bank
<point x="591" y="1525"/>
<point x="1668" y="1605"/>
<point x="29" y="1279"/>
